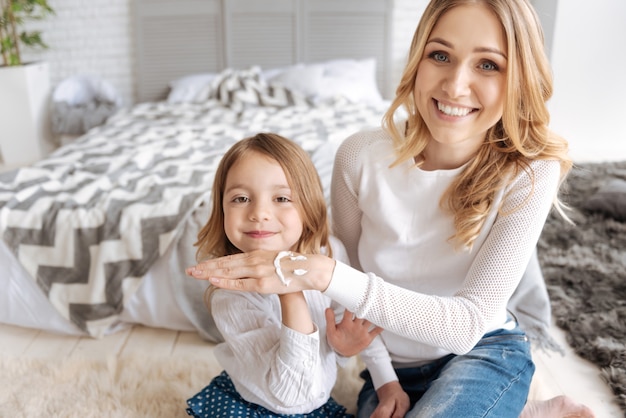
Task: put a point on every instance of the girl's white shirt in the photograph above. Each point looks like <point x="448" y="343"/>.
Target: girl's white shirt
<point x="271" y="365"/>
<point x="431" y="298"/>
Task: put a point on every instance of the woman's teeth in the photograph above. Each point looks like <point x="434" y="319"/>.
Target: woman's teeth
<point x="453" y="111"/>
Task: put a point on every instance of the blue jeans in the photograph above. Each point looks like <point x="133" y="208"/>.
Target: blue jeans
<point x="492" y="380"/>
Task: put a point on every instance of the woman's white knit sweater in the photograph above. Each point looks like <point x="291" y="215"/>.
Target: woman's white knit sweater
<point x="432" y="298"/>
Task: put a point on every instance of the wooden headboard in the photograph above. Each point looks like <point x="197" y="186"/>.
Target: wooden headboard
<point x="175" y="38"/>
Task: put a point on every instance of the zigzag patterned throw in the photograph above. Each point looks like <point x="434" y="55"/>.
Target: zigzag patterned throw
<point x="88" y="222"/>
<point x="240" y="89"/>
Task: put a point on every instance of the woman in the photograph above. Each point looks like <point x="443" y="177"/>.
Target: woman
<point x="442" y="211"/>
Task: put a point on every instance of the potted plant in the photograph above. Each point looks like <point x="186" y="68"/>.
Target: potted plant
<point x="14" y="14"/>
<point x="25" y="86"/>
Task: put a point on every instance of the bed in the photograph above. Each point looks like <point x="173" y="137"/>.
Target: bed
<point x="96" y="236"/>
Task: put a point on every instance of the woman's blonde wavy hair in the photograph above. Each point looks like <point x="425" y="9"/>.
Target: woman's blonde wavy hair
<point x="307" y="195"/>
<point x="521" y="135"/>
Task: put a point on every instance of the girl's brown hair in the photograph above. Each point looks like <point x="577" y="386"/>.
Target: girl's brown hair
<point x="306" y="188"/>
<point x="521" y="135"/>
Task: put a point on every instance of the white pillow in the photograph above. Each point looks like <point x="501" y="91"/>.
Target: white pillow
<point x="187" y="88"/>
<point x="354" y="80"/>
<point x="305" y="79"/>
<point x="80" y="90"/>
<point x="270" y="73"/>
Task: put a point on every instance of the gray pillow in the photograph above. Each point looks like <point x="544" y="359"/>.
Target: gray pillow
<point x="609" y="199"/>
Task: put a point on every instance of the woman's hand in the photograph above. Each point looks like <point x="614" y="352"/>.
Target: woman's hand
<point x="351" y="335"/>
<point x="393" y="401"/>
<point x="255" y="272"/>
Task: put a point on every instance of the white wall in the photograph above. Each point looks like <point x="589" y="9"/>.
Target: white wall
<point x="406" y="15"/>
<point x="589" y="65"/>
<point x="89" y="37"/>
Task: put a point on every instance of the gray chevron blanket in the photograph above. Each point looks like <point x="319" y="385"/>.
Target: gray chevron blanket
<point x="89" y="221"/>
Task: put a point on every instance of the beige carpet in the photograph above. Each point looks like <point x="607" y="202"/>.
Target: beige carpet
<point x="130" y="387"/>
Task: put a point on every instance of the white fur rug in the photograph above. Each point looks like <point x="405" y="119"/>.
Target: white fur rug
<point x="130" y="387"/>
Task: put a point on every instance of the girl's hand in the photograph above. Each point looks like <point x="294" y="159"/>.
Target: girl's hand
<point x="351" y="335"/>
<point x="255" y="272"/>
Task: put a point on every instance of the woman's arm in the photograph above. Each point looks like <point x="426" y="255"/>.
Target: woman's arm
<point x="346" y="213"/>
<point x="455" y="322"/>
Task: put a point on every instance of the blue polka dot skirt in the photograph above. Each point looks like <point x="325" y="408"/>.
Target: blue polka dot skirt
<point x="221" y="399"/>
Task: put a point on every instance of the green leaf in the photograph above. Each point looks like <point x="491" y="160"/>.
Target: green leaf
<point x="33" y="39"/>
<point x="15" y="13"/>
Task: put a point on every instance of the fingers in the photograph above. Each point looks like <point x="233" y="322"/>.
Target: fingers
<point x="374" y="332"/>
<point x="351" y="317"/>
<point x="265" y="286"/>
<point x="250" y="285"/>
<point x="382" y="411"/>
<point x="399" y="412"/>
<point x="371" y="329"/>
<point x="331" y="326"/>
<point x="254" y="265"/>
<point x="330" y="318"/>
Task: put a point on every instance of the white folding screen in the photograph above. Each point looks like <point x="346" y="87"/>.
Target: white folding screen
<point x="347" y="29"/>
<point x="180" y="37"/>
<point x="175" y="38"/>
<point x="260" y="32"/>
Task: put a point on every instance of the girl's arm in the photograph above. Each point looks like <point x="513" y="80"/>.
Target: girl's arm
<point x="295" y="313"/>
<point x="272" y="364"/>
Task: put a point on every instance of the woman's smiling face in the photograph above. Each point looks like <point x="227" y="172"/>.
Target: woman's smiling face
<point x="461" y="79"/>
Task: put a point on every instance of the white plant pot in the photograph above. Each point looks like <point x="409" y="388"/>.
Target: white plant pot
<point x="25" y="132"/>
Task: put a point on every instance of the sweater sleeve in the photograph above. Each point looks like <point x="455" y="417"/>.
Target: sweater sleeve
<point x="454" y="323"/>
<point x="346" y="216"/>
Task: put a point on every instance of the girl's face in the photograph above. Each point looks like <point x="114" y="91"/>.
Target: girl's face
<point x="460" y="83"/>
<point x="258" y="209"/>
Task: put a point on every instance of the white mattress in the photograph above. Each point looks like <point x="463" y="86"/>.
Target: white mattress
<point x="24" y="304"/>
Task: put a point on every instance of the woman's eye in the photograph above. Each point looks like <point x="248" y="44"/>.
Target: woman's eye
<point x="438" y="56"/>
<point x="489" y="66"/>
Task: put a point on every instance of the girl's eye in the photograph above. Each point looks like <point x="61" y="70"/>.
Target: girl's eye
<point x="240" y="199"/>
<point x="489" y="66"/>
<point x="438" y="56"/>
<point x="283" y="199"/>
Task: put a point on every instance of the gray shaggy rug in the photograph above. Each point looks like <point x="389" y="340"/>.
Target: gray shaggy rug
<point x="585" y="268"/>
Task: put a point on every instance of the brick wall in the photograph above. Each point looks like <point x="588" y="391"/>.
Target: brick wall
<point x="91" y="37"/>
<point x="95" y="37"/>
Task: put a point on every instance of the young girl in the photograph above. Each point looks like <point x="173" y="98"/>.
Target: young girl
<point x="440" y="213"/>
<point x="267" y="195"/>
